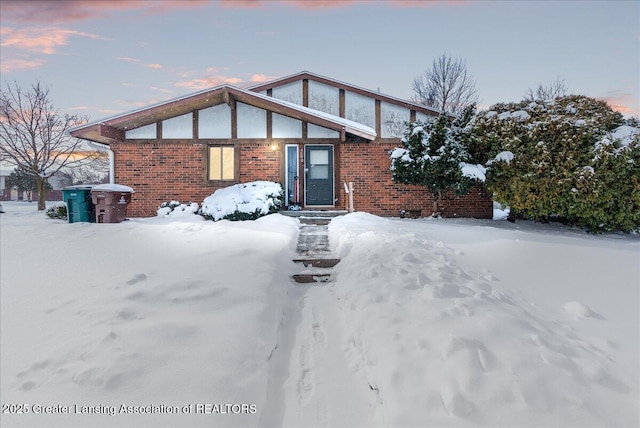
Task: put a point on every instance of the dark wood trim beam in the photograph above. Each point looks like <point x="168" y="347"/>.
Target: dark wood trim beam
<point x="378" y="118"/>
<point x="110" y="132"/>
<point x="412" y="116"/>
<point x="159" y="130"/>
<point x="196" y="121"/>
<point x="305" y="92"/>
<point x="234" y="117"/>
<point x="341" y="103"/>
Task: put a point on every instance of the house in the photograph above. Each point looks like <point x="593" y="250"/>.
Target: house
<point x="310" y="133"/>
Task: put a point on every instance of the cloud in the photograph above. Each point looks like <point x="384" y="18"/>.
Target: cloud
<point x="9" y="65"/>
<point x="64" y="11"/>
<point x="208" y="82"/>
<point x="140" y="104"/>
<point x="41" y="40"/>
<point x="163" y="90"/>
<point x="154" y="66"/>
<point x="622" y="101"/>
<point x="260" y="78"/>
<point x="332" y="4"/>
<point x="127" y="59"/>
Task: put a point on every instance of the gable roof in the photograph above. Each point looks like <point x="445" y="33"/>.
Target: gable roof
<point x="342" y="85"/>
<point x="112" y="129"/>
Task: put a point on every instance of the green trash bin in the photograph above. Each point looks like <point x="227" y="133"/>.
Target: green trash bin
<point x="80" y="207"/>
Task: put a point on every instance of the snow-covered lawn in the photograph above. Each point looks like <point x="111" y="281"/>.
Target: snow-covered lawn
<point x="428" y="323"/>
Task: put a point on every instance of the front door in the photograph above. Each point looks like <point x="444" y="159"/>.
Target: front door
<point x="319" y="186"/>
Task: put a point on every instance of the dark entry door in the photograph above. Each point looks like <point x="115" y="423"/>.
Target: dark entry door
<point x="319" y="175"/>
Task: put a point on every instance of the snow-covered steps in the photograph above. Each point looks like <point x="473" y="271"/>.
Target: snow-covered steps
<point x="318" y="262"/>
<point x="312" y="277"/>
<point x="313" y="246"/>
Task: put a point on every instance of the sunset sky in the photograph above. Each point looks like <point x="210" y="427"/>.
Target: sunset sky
<point x="103" y="58"/>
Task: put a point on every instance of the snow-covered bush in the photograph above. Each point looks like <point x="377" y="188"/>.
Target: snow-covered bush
<point x="175" y="208"/>
<point x="245" y="201"/>
<point x="58" y="210"/>
<point x="435" y="155"/>
<point x="568" y="159"/>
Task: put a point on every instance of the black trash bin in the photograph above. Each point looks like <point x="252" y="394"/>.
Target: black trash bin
<point x="111" y="202"/>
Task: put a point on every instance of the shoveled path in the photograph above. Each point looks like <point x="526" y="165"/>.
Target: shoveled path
<point x="312" y="382"/>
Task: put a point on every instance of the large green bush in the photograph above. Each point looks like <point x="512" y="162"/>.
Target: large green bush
<point x="567" y="159"/>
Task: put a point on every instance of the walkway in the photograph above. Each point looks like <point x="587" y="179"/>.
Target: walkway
<point x="314" y="382"/>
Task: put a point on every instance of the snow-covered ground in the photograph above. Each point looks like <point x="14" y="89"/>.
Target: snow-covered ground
<point x="427" y="323"/>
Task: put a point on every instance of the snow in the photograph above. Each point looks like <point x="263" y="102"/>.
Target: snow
<point x="580" y="311"/>
<point x="178" y="209"/>
<point x="457" y="346"/>
<point x="113" y="188"/>
<point x="622" y="135"/>
<point x="473" y="171"/>
<point x="504" y="156"/>
<point x="430" y="322"/>
<point x="519" y="115"/>
<point x="245" y="198"/>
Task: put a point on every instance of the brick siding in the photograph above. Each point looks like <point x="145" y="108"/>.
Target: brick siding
<point x="163" y="171"/>
<point x="367" y="166"/>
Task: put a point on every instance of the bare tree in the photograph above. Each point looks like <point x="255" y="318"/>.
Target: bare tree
<point x="34" y="137"/>
<point x="94" y="173"/>
<point x="447" y="86"/>
<point x="551" y="91"/>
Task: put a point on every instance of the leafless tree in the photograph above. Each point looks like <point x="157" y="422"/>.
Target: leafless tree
<point x="551" y="91"/>
<point x="447" y="86"/>
<point x="94" y="173"/>
<point x="34" y="137"/>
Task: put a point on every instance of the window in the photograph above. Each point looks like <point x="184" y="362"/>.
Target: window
<point x="144" y="132"/>
<point x="221" y="162"/>
<point x="178" y="127"/>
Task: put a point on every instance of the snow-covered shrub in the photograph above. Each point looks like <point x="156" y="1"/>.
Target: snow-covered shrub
<point x="568" y="159"/>
<point x="175" y="208"/>
<point x="435" y="155"/>
<point x="246" y="201"/>
<point x="58" y="210"/>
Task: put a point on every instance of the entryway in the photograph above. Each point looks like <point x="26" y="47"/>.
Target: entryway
<point x="319" y="186"/>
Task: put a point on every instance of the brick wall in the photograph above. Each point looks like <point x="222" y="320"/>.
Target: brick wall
<point x="160" y="172"/>
<point x="367" y="166"/>
<point x="177" y="171"/>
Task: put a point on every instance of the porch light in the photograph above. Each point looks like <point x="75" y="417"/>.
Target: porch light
<point x="273" y="146"/>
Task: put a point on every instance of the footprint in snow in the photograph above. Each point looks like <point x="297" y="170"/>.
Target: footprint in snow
<point x="136" y="278"/>
<point x="580" y="311"/>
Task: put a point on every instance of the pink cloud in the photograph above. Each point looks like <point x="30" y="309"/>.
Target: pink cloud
<point x="127" y="59"/>
<point x="64" y="11"/>
<point x="154" y="66"/>
<point x="208" y="82"/>
<point x="9" y="65"/>
<point x="622" y="101"/>
<point x="332" y="4"/>
<point x="41" y="40"/>
<point x="261" y="78"/>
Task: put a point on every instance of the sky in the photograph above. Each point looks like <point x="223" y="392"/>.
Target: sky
<point x="101" y="58"/>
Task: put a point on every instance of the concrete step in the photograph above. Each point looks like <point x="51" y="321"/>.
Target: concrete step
<point x="310" y="278"/>
<point x="317" y="262"/>
<point x="317" y="221"/>
<point x="310" y="213"/>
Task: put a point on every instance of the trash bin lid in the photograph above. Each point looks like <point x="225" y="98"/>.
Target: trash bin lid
<point x="112" y="188"/>
<point x="79" y="187"/>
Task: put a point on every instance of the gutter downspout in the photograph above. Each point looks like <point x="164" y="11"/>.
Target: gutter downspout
<point x="105" y="147"/>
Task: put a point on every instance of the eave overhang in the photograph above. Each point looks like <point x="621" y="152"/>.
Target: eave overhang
<point x="112" y="130"/>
